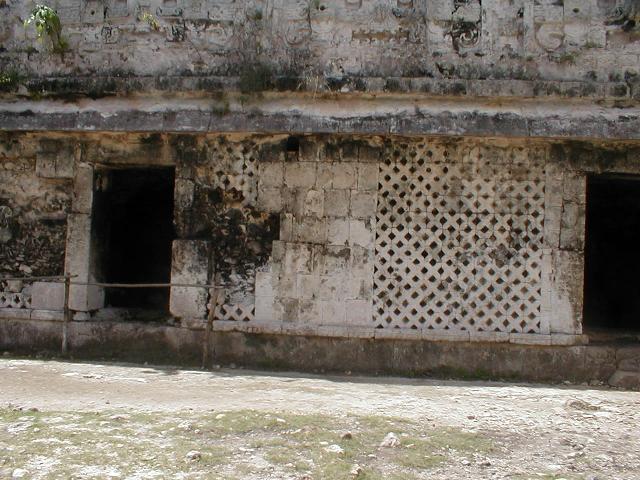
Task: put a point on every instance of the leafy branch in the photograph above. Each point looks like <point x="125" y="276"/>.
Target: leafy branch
<point x="47" y="23"/>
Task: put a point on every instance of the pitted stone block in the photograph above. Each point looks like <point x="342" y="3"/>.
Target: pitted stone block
<point x="190" y="266"/>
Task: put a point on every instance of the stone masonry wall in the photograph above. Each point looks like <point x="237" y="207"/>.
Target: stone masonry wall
<point x="424" y="237"/>
<point x="35" y="184"/>
<point x="332" y="44"/>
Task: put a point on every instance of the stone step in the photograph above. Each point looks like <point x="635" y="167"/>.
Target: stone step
<point x="624" y="379"/>
<point x="630" y="364"/>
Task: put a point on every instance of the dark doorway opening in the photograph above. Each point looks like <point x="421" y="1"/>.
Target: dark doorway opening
<point x="612" y="253"/>
<point x="133" y="231"/>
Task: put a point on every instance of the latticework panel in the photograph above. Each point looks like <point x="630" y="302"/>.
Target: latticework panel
<point x="459" y="241"/>
<point x="15" y="300"/>
<point x="236" y="312"/>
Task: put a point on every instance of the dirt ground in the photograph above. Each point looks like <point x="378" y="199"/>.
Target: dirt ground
<point x="81" y="420"/>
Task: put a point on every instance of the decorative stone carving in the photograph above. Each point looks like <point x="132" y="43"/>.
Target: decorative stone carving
<point x="466" y="24"/>
<point x="110" y="34"/>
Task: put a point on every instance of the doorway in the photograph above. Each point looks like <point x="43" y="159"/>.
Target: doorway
<point x="612" y="254"/>
<point x="133" y="234"/>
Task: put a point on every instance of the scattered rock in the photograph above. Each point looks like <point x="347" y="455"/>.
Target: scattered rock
<point x="193" y="456"/>
<point x="33" y="409"/>
<point x="465" y="462"/>
<point x="281" y="420"/>
<point x="118" y="418"/>
<point x="577" y="404"/>
<point x="390" y="441"/>
<point x="356" y="471"/>
<point x="19" y="473"/>
<point x="471" y="417"/>
<point x="334" y="449"/>
<point x="186" y="426"/>
<point x="346" y="436"/>
<point x="220" y="416"/>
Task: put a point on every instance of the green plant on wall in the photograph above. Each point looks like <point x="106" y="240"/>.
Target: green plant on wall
<point x="9" y="80"/>
<point x="150" y="19"/>
<point x="47" y="24"/>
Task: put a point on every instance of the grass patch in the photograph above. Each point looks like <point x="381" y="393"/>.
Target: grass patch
<point x="231" y="444"/>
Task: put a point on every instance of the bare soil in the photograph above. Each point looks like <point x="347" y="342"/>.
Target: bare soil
<point x="81" y="420"/>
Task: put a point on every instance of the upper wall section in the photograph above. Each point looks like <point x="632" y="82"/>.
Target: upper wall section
<point x="472" y="47"/>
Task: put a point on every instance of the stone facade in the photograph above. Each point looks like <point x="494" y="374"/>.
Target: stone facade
<point x="351" y="44"/>
<point x="384" y="169"/>
<point x="427" y="238"/>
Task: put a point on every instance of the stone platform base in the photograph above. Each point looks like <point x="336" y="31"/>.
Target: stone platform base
<point x="161" y="344"/>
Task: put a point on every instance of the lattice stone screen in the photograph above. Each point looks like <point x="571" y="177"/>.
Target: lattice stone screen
<point x="14" y="300"/>
<point x="459" y="239"/>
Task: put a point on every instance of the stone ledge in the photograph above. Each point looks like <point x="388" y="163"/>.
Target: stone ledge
<point x="336" y="331"/>
<point x="15" y="313"/>
<point x="402" y="114"/>
<point x="162" y="344"/>
<point x="341" y="331"/>
<point x="105" y="85"/>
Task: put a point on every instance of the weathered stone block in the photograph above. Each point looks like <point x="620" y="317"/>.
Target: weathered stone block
<point x="308" y="286"/>
<point x="331" y="287"/>
<point x="370" y="154"/>
<point x="368" y="176"/>
<point x="336" y="203"/>
<point x="313" y="203"/>
<point x="334" y="312"/>
<point x="286" y="227"/>
<point x="309" y="311"/>
<point x="287" y="284"/>
<point x="190" y="266"/>
<point x="552" y="222"/>
<point x="361" y="233"/>
<point x="270" y="199"/>
<point x="184" y="193"/>
<point x="46" y="165"/>
<point x="311" y="230"/>
<point x="47" y="296"/>
<point x="324" y="176"/>
<point x="359" y="312"/>
<point x="337" y="231"/>
<point x="286" y="309"/>
<point x="83" y="190"/>
<point x="297" y="258"/>
<point x="345" y="175"/>
<point x="271" y="174"/>
<point x="567" y="292"/>
<point x="363" y="204"/>
<point x="359" y="287"/>
<point x="264" y="309"/>
<point x="572" y="228"/>
<point x="264" y="284"/>
<point x="300" y="174"/>
<point x="55" y="160"/>
<point x="574" y="187"/>
<point x="82" y="298"/>
<point x="336" y="260"/>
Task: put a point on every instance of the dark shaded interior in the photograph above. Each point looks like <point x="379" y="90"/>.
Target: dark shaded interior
<point x="133" y="227"/>
<point x="612" y="253"/>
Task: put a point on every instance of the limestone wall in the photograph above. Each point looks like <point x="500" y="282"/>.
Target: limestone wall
<point x="339" y="45"/>
<point x="35" y="196"/>
<point x="423" y="237"/>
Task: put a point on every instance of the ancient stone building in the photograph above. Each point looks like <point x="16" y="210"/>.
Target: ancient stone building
<point x="386" y="185"/>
